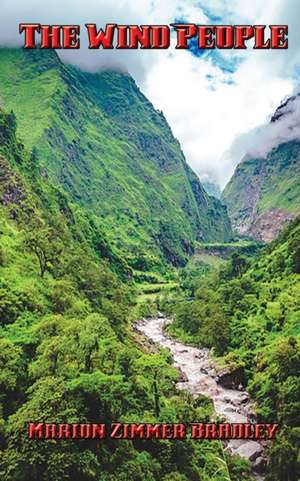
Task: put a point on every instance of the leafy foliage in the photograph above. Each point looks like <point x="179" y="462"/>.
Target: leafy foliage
<point x="102" y="141"/>
<point x="67" y="353"/>
<point x="250" y="312"/>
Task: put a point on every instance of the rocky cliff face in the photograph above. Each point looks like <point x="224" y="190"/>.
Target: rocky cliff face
<point x="264" y="192"/>
<point x="101" y="140"/>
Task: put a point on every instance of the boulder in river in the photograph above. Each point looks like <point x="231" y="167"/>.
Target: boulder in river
<point x="251" y="450"/>
<point x="259" y="465"/>
<point x="230" y="378"/>
<point x="244" y="398"/>
<point x="183" y="377"/>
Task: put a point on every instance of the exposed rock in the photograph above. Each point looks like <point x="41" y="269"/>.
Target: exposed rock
<point x="244" y="398"/>
<point x="267" y="226"/>
<point x="212" y="373"/>
<point x="13" y="193"/>
<point x="230" y="379"/>
<point x="250" y="450"/>
<point x="196" y="375"/>
<point x="263" y="193"/>
<point x="182" y="376"/>
<point x="259" y="465"/>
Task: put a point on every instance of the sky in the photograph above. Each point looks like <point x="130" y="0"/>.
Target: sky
<point x="218" y="103"/>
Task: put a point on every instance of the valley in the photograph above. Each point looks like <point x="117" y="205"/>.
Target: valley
<point x="199" y="377"/>
<point x="102" y="223"/>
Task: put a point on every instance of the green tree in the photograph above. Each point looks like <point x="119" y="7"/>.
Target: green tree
<point x="45" y="245"/>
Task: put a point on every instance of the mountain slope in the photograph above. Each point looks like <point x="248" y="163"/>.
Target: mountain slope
<point x="103" y="142"/>
<point x="249" y="313"/>
<point x="67" y="352"/>
<point x="264" y="193"/>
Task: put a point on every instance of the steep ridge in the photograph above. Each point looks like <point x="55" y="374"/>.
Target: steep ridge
<point x="101" y="140"/>
<point x="264" y="193"/>
<point x="68" y="353"/>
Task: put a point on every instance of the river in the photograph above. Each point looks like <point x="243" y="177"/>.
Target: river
<point x="200" y="377"/>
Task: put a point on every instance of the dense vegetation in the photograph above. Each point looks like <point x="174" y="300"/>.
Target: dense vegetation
<point x="249" y="314"/>
<point x="95" y="198"/>
<point x="101" y="140"/>
<point x="67" y="352"/>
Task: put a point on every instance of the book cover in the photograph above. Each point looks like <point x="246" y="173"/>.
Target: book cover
<point x="149" y="240"/>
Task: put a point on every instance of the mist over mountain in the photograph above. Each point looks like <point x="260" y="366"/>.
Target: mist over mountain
<point x="264" y="191"/>
<point x="211" y="188"/>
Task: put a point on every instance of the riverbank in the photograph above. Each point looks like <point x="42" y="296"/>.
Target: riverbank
<point x="199" y="376"/>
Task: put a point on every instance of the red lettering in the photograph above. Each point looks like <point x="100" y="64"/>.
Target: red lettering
<point x="184" y="32"/>
<point x="278" y="36"/>
<point x="198" y="430"/>
<point x="260" y="38"/>
<point x="238" y="431"/>
<point x="101" y="38"/>
<point x="50" y="36"/>
<point x="179" y="431"/>
<point x="75" y="431"/>
<point x="259" y="431"/>
<point x="126" y="431"/>
<point x="224" y="431"/>
<point x="98" y="431"/>
<point x="50" y="431"/>
<point x="138" y="431"/>
<point x="248" y="431"/>
<point x="167" y="432"/>
<point x="153" y="430"/>
<point x="116" y="430"/>
<point x="242" y="33"/>
<point x="206" y="39"/>
<point x="224" y="36"/>
<point x="160" y="36"/>
<point x="64" y="431"/>
<point x="139" y="35"/>
<point x="70" y="33"/>
<point x="122" y="37"/>
<point x="35" y="430"/>
<point x="271" y="430"/>
<point x="85" y="431"/>
<point x="211" y="431"/>
<point x="29" y="29"/>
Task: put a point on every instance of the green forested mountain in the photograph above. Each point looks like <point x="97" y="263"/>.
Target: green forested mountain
<point x="101" y="140"/>
<point x="249" y="314"/>
<point x="264" y="193"/>
<point x="94" y="191"/>
<point x="67" y="353"/>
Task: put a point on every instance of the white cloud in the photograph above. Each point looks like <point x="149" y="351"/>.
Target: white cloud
<point x="206" y="120"/>
<point x="207" y="116"/>
<point x="206" y="108"/>
<point x="259" y="141"/>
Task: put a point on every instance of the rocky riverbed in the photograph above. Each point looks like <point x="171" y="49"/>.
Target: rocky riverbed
<point x="199" y="376"/>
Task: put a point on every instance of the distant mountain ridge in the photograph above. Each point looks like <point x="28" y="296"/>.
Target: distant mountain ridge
<point x="211" y="188"/>
<point x="101" y="140"/>
<point x="264" y="193"/>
